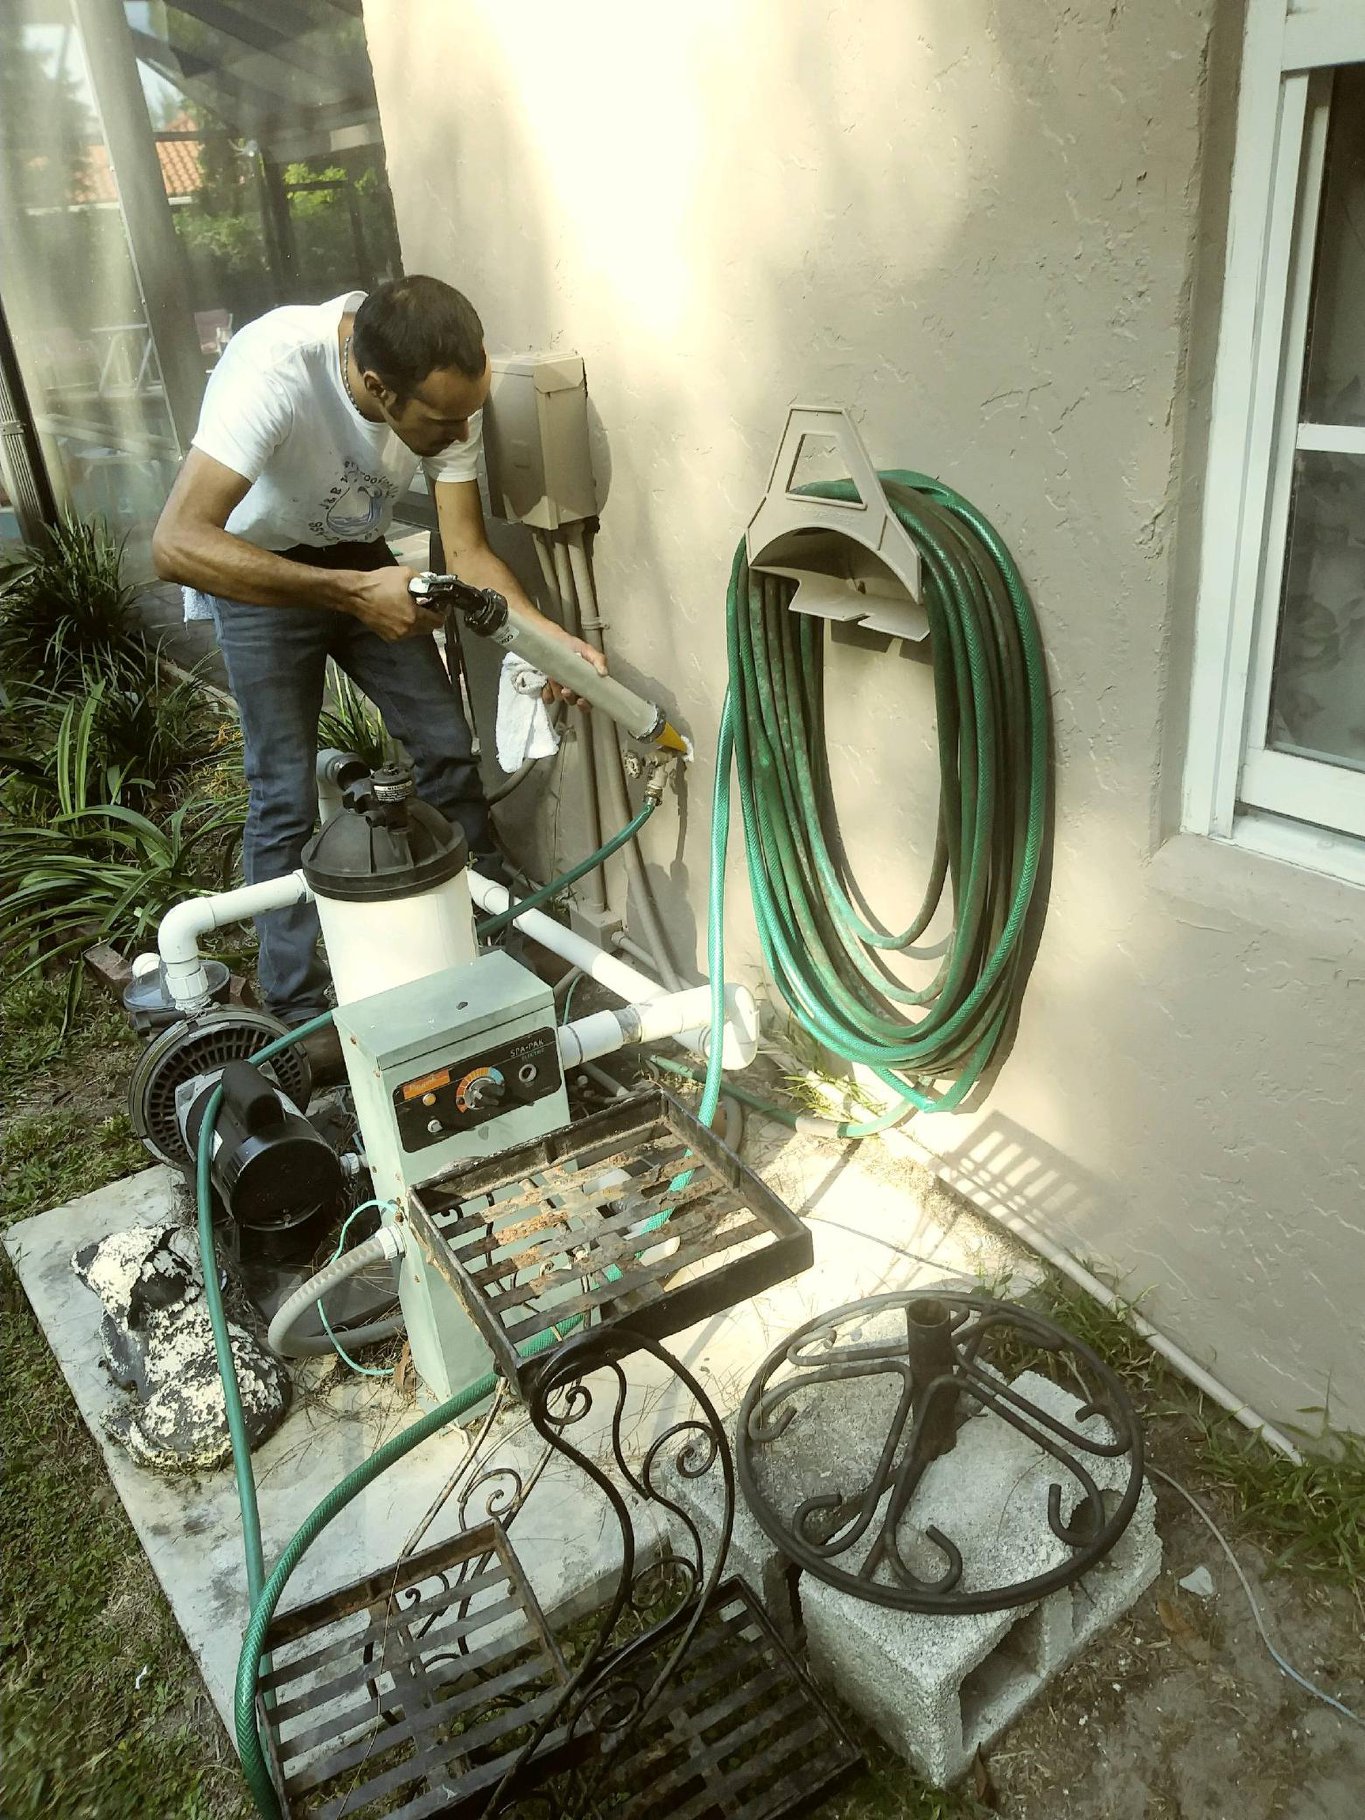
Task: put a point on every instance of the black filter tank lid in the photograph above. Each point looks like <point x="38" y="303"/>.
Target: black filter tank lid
<point x="383" y="843"/>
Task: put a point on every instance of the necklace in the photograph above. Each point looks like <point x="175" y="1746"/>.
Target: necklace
<point x="346" y="377"/>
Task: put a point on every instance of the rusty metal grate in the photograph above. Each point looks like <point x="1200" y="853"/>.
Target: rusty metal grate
<point x="550" y="1236"/>
<point x="409" y="1693"/>
<point x="739" y="1732"/>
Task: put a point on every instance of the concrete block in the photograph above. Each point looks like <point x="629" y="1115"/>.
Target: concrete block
<point x="938" y="1688"/>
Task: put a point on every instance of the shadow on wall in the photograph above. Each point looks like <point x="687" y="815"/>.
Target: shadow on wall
<point x="1014" y="1177"/>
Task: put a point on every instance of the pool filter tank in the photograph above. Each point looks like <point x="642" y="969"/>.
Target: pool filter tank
<point x="389" y="875"/>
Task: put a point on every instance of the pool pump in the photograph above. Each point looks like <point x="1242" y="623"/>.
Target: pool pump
<point x="274" y="1173"/>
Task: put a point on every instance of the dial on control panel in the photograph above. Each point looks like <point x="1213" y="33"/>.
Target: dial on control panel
<point x="460" y="1095"/>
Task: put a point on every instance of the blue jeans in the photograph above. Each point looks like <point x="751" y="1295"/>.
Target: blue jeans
<point x="276" y="663"/>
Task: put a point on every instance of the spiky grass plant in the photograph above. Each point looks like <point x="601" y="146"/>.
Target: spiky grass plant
<point x="351" y="723"/>
<point x="126" y="734"/>
<point x="105" y="873"/>
<point x="65" y="604"/>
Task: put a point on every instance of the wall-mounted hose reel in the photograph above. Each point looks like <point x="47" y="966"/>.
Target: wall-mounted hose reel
<point x="890" y="555"/>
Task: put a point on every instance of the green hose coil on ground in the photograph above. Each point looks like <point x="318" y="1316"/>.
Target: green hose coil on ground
<point x="990" y="688"/>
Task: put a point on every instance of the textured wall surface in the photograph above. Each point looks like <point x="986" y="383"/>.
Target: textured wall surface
<point x="979" y="226"/>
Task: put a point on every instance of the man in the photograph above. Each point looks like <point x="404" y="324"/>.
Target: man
<point x="312" y="428"/>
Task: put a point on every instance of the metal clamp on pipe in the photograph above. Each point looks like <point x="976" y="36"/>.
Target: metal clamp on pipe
<point x="490" y="615"/>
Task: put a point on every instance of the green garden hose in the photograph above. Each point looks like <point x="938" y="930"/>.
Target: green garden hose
<point x="993" y="734"/>
<point x="534" y="899"/>
<point x="928" y="1045"/>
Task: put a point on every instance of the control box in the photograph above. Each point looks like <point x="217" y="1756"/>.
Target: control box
<point x="535" y="440"/>
<point x="460" y="1065"/>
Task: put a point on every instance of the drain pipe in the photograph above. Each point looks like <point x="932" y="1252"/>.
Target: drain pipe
<point x="184" y="923"/>
<point x="608" y="747"/>
<point x="594" y="891"/>
<point x="1159" y="1342"/>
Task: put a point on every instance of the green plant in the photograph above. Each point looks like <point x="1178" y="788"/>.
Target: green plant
<point x="65" y="604"/>
<point x="1311" y="1513"/>
<point x="127" y="735"/>
<point x="157" y="727"/>
<point x="351" y="722"/>
<point x="61" y="761"/>
<point x="105" y="873"/>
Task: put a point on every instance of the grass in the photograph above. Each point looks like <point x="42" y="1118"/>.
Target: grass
<point x="887" y="1790"/>
<point x="104" y="1714"/>
<point x="1309" y="1517"/>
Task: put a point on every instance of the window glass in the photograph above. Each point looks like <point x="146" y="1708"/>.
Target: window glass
<point x="1317" y="702"/>
<point x="71" y="295"/>
<point x="1334" y="380"/>
<point x="1318" y="697"/>
<point x="246" y="171"/>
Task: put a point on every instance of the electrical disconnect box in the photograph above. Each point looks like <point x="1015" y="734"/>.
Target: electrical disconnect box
<point x="535" y="440"/>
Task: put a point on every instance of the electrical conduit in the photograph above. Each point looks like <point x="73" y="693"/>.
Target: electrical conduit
<point x="607" y="747"/>
<point x="381" y="1247"/>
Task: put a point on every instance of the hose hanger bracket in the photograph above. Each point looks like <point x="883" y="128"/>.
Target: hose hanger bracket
<point x="852" y="560"/>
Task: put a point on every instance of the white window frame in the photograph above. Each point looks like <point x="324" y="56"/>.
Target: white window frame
<point x="1235" y="788"/>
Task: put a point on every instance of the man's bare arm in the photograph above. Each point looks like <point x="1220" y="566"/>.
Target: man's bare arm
<point x="464" y="540"/>
<point x="191" y="546"/>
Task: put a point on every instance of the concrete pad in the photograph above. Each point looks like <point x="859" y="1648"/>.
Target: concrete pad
<point x="190" y="1528"/>
<point x="878" y="1223"/>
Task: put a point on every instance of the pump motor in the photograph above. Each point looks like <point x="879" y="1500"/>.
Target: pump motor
<point x="276" y="1177"/>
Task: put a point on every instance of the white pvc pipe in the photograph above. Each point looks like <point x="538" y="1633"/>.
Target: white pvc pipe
<point x="184" y="923"/>
<point x="684" y="1015"/>
<point x="627" y="982"/>
<point x="617" y="976"/>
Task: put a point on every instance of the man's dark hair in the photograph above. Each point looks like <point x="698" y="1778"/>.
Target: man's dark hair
<point x="409" y="327"/>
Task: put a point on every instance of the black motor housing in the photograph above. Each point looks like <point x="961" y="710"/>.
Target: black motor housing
<point x="277" y="1178"/>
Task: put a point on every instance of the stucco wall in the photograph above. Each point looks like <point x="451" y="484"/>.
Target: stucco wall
<point x="978" y="225"/>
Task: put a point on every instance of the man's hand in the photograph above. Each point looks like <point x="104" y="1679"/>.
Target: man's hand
<point x="380" y="600"/>
<point x="554" y="691"/>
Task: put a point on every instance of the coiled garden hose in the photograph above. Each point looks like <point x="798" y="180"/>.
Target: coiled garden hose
<point x="929" y="1045"/>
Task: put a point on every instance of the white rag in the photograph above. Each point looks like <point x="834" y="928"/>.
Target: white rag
<point x="525" y="730"/>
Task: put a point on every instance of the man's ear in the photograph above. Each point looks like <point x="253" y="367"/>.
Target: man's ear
<point x="375" y="386"/>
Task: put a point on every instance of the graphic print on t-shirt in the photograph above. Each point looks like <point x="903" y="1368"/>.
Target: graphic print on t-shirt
<point x="354" y="508"/>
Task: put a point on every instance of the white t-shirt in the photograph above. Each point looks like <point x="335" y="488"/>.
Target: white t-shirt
<point x="276" y="412"/>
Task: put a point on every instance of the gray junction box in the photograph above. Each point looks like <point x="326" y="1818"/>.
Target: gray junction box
<point x="535" y="441"/>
